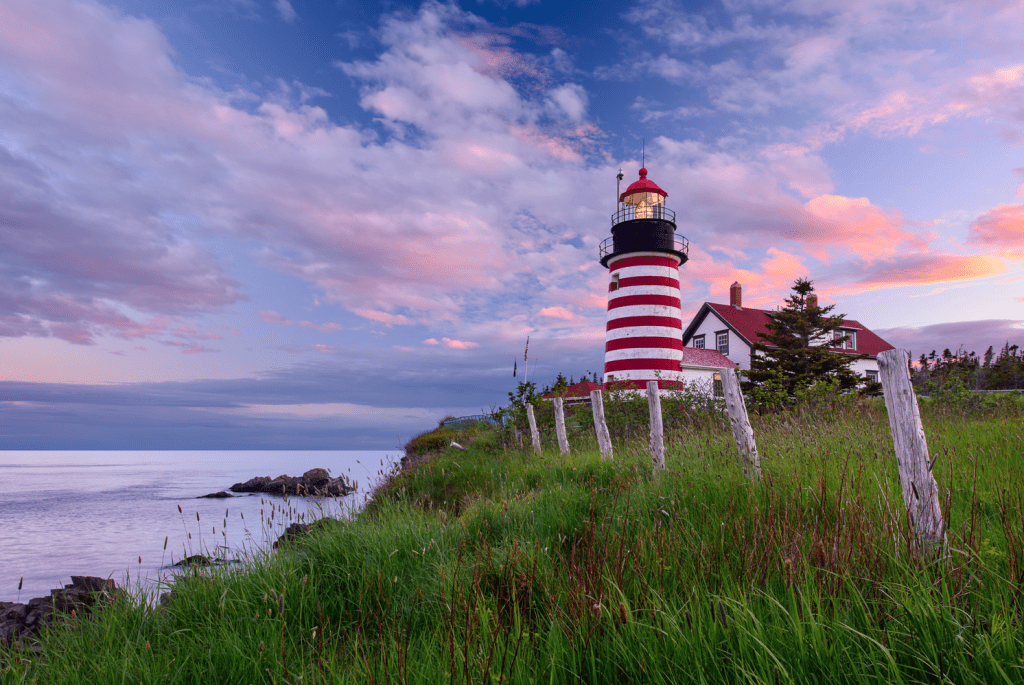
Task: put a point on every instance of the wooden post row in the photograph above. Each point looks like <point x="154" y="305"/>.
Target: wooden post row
<point x="657" y="433"/>
<point x="604" y="440"/>
<point x="742" y="432"/>
<point x="534" y="433"/>
<point x="920" y="491"/>
<point x="563" y="441"/>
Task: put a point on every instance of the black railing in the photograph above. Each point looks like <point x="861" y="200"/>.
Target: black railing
<point x="630" y="212"/>
<point x="476" y="418"/>
<point x="679" y="244"/>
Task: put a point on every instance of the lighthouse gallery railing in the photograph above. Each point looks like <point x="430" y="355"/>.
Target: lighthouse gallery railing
<point x="680" y="244"/>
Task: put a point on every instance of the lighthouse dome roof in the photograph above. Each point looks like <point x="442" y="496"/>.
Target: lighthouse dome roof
<point x="644" y="185"/>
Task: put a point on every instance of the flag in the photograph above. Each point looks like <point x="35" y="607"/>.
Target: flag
<point x="515" y="365"/>
<point x="527" y="352"/>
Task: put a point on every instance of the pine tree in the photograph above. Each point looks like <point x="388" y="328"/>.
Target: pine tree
<point x="796" y="352"/>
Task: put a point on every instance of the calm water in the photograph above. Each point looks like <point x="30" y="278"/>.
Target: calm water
<point x="97" y="513"/>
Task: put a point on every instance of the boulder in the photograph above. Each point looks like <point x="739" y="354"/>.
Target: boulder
<point x="216" y="495"/>
<point x="298" y="530"/>
<point x="20" y="624"/>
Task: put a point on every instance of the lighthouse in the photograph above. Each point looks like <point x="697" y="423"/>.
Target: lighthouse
<point x="643" y="336"/>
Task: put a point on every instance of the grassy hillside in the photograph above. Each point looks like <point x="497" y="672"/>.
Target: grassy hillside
<point x="497" y="565"/>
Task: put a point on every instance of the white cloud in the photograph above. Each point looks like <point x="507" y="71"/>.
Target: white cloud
<point x="285" y="9"/>
<point x="571" y="99"/>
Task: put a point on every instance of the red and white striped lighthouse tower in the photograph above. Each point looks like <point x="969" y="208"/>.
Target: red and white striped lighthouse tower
<point x="644" y="336"/>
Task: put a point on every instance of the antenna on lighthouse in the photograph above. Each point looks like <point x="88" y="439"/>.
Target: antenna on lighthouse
<point x="618" y="186"/>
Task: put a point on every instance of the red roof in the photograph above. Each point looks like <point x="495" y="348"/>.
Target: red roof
<point x="750" y="323"/>
<point x="705" y="357"/>
<point x="582" y="389"/>
<point x="642" y="186"/>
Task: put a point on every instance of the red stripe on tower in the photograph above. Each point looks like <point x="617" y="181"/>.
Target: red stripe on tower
<point x="643" y="341"/>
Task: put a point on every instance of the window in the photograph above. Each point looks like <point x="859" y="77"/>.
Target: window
<point x="851" y="339"/>
<point x="615" y="282"/>
<point x="698" y="342"/>
<point x="722" y="342"/>
<point x="719" y="391"/>
<point x="871" y="376"/>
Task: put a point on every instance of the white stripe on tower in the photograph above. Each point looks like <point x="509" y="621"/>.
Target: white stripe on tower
<point x="643" y="338"/>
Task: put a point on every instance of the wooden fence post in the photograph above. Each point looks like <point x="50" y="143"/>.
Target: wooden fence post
<point x="742" y="432"/>
<point x="563" y="441"/>
<point x="657" y="432"/>
<point x="534" y="433"/>
<point x="604" y="440"/>
<point x="920" y="491"/>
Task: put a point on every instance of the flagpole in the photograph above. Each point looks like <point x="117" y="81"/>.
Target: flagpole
<point x="526" y="359"/>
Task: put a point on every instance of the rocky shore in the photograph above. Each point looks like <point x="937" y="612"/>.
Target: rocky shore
<point x="20" y="624"/>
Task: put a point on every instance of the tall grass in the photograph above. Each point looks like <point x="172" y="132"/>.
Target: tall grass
<point x="496" y="565"/>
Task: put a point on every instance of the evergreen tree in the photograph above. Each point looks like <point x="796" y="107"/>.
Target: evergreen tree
<point x="796" y="352"/>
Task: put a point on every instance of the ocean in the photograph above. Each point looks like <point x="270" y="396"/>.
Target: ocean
<point x="115" y="514"/>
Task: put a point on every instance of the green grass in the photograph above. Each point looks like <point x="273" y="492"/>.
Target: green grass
<point x="497" y="565"/>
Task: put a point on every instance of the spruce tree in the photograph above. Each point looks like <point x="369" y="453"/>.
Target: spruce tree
<point x="796" y="351"/>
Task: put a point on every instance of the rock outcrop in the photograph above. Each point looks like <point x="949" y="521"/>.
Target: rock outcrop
<point x="298" y="530"/>
<point x="315" y="482"/>
<point x="20" y="624"/>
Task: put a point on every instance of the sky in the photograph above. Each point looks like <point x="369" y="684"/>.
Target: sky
<point x="298" y="224"/>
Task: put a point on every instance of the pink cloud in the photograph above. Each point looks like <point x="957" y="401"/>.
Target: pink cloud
<point x="928" y="269"/>
<point x="430" y="341"/>
<point x="323" y="328"/>
<point x="403" y="348"/>
<point x="383" y="317"/>
<point x="458" y="344"/>
<point x="557" y="313"/>
<point x="1002" y="228"/>
<point x="326" y="349"/>
<point x="857" y="226"/>
<point x="274" y="318"/>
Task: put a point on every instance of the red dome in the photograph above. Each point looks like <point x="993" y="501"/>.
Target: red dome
<point x="642" y="186"/>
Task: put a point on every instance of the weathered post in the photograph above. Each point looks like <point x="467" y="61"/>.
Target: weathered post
<point x="563" y="441"/>
<point x="742" y="432"/>
<point x="604" y="439"/>
<point x="920" y="491"/>
<point x="534" y="433"/>
<point x="657" y="432"/>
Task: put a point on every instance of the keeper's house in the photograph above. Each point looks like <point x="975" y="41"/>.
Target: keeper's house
<point x="732" y="329"/>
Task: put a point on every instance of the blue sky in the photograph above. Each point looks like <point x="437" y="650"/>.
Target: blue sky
<point x="288" y="224"/>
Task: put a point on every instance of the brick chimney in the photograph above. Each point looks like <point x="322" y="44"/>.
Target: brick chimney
<point x="736" y="295"/>
<point x="812" y="301"/>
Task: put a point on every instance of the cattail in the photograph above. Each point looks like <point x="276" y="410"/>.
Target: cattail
<point x="179" y="509"/>
<point x="20" y="583"/>
<point x="261" y="646"/>
<point x="165" y="543"/>
<point x="721" y="614"/>
<point x="623" y="613"/>
<point x="147" y="644"/>
<point x="197" y="516"/>
<point x="140" y="559"/>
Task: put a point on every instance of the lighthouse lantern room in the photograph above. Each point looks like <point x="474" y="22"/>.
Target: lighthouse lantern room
<point x="643" y="336"/>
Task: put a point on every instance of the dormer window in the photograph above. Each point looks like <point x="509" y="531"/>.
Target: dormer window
<point x="698" y="342"/>
<point x="851" y="339"/>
